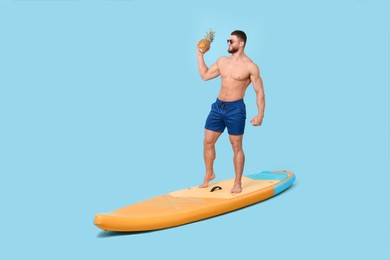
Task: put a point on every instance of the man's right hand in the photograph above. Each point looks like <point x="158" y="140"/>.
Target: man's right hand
<point x="199" y="51"/>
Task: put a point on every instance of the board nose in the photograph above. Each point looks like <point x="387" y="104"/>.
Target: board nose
<point x="98" y="219"/>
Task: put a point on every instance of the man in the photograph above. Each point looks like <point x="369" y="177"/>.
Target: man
<point x="237" y="72"/>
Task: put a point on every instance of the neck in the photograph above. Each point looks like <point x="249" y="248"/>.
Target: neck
<point x="238" y="55"/>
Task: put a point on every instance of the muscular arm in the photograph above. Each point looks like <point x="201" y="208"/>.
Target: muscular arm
<point x="257" y="83"/>
<point x="205" y="72"/>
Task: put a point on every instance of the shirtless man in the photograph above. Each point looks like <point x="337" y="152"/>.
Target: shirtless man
<point x="237" y="72"/>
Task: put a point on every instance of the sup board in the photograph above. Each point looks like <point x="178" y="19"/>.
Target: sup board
<point x="193" y="204"/>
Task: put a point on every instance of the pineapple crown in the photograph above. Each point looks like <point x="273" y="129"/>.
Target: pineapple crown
<point x="210" y="35"/>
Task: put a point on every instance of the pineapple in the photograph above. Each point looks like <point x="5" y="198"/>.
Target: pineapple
<point x="204" y="44"/>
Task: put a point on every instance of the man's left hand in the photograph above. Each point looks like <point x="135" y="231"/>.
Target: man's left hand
<point x="257" y="120"/>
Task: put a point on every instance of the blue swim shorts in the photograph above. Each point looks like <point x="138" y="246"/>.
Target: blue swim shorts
<point x="227" y="114"/>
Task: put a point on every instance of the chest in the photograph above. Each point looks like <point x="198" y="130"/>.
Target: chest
<point x="237" y="71"/>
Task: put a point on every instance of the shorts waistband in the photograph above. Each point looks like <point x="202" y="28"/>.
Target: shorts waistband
<point x="229" y="102"/>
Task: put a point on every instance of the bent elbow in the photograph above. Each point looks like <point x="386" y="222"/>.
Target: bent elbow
<point x="203" y="77"/>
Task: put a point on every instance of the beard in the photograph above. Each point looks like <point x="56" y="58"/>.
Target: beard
<point x="232" y="50"/>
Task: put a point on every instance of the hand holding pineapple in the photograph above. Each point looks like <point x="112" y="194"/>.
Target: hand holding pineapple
<point x="204" y="44"/>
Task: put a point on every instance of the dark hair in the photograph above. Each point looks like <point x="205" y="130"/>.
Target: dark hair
<point x="240" y="34"/>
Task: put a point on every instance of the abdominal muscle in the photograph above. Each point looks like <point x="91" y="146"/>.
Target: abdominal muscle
<point x="232" y="89"/>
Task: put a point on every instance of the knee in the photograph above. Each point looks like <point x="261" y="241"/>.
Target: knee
<point x="236" y="145"/>
<point x="208" y="142"/>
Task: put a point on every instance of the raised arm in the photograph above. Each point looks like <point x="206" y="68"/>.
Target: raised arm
<point x="205" y="72"/>
<point x="257" y="83"/>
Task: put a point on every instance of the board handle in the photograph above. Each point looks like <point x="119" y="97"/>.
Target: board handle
<point x="216" y="188"/>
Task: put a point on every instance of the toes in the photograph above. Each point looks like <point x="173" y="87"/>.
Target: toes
<point x="235" y="190"/>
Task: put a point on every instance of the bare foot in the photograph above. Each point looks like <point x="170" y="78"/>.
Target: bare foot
<point x="236" y="189"/>
<point x="206" y="180"/>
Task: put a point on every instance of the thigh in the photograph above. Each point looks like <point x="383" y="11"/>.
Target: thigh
<point x="214" y="121"/>
<point x="211" y="137"/>
<point x="235" y="121"/>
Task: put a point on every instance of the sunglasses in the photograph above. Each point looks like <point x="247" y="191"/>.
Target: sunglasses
<point x="230" y="41"/>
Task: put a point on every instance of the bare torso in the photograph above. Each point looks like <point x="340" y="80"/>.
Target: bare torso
<point x="235" y="77"/>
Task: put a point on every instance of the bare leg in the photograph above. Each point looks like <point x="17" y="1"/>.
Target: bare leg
<point x="210" y="138"/>
<point x="239" y="160"/>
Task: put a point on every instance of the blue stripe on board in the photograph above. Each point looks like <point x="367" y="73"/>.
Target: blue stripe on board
<point x="284" y="185"/>
<point x="267" y="176"/>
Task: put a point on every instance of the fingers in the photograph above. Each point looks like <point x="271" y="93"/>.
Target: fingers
<point x="199" y="50"/>
<point x="255" y="121"/>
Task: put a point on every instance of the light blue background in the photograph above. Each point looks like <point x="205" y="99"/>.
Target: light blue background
<point x="100" y="97"/>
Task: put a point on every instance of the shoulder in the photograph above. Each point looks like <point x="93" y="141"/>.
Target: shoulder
<point x="253" y="68"/>
<point x="223" y="59"/>
<point x="250" y="63"/>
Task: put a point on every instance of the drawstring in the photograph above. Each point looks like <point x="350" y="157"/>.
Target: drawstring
<point x="222" y="106"/>
<point x="227" y="105"/>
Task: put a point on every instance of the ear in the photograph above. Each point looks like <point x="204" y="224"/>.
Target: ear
<point x="242" y="44"/>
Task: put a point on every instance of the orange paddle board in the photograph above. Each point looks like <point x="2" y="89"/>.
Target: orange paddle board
<point x="193" y="204"/>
